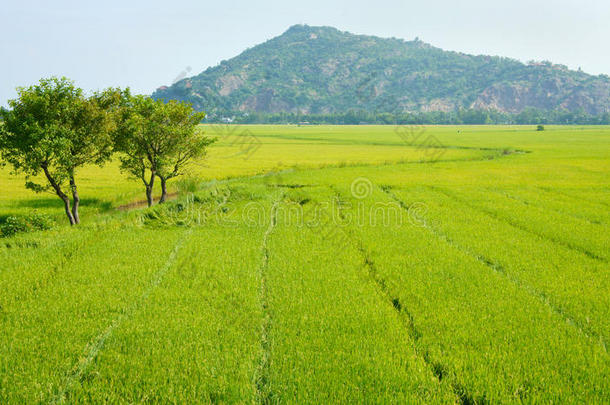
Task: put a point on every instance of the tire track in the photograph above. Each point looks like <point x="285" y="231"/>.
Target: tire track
<point x="491" y="264"/>
<point x="405" y="317"/>
<point x="498" y="153"/>
<point x="68" y="251"/>
<point x="97" y="344"/>
<point x="580" y="199"/>
<point x="438" y="370"/>
<point x="262" y="381"/>
<point x="515" y="224"/>
<point x="541" y="207"/>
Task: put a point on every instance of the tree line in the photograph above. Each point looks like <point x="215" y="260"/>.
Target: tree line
<point x="530" y="116"/>
<point x="53" y="128"/>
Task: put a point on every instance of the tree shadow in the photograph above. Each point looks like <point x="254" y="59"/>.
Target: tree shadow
<point x="49" y="202"/>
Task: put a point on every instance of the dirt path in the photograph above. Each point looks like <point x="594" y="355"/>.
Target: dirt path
<point x="142" y="203"/>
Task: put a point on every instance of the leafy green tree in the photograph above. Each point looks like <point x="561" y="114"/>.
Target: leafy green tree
<point x="53" y="128"/>
<point x="156" y="139"/>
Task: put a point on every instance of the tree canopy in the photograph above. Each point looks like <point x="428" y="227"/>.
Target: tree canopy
<point x="158" y="139"/>
<point x="51" y="127"/>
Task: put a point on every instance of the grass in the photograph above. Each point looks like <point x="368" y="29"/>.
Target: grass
<point x="480" y="275"/>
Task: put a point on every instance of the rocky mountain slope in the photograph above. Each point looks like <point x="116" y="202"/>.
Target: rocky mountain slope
<point x="320" y="70"/>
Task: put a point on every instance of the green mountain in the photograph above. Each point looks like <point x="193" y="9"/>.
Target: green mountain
<point x="321" y="70"/>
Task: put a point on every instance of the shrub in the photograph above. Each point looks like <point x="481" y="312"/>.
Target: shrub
<point x="25" y="223"/>
<point x="540" y="128"/>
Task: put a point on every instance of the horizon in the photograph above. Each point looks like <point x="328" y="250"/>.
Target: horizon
<point x="119" y="45"/>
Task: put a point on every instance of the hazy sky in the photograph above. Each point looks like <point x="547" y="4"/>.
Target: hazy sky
<point x="145" y="44"/>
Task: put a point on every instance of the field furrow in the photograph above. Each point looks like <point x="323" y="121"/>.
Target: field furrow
<point x="575" y="313"/>
<point x="264" y="394"/>
<point x="335" y="264"/>
<point x="521" y="219"/>
<point x="478" y="327"/>
<point x="198" y="336"/>
<point x="335" y="337"/>
<point x="43" y="337"/>
<point x="555" y="202"/>
<point x="93" y="348"/>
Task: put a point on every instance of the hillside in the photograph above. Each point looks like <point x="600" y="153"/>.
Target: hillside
<point x="320" y="70"/>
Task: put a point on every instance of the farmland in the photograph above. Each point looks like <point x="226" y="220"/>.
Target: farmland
<point x="321" y="264"/>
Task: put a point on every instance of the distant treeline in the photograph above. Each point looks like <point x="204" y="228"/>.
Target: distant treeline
<point x="458" y="117"/>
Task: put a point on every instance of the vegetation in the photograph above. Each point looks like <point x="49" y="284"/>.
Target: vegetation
<point x="460" y="117"/>
<point x="333" y="264"/>
<point x="321" y="71"/>
<point x="13" y="225"/>
<point x="156" y="139"/>
<point x="53" y="128"/>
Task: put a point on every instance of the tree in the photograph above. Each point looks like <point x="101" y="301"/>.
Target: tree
<point x="156" y="139"/>
<point x="189" y="144"/>
<point x="53" y="128"/>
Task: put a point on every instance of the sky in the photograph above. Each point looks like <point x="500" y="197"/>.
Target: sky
<point x="146" y="44"/>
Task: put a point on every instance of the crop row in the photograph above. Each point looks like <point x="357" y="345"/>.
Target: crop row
<point x="491" y="339"/>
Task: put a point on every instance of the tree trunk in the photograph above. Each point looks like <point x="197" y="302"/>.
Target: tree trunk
<point x="60" y="193"/>
<point x="75" y="200"/>
<point x="163" y="189"/>
<point x="149" y="189"/>
<point x="66" y="201"/>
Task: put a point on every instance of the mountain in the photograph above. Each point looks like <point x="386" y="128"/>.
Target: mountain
<point x="321" y="70"/>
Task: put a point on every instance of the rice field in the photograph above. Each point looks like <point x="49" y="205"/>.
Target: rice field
<point x="322" y="264"/>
